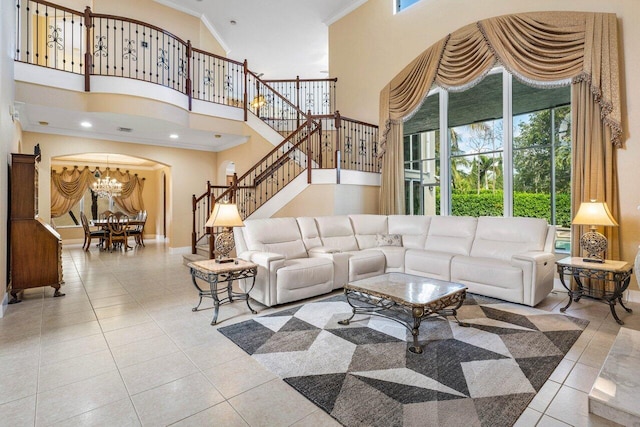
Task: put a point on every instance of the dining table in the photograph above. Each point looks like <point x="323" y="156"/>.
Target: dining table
<point x="102" y="223"/>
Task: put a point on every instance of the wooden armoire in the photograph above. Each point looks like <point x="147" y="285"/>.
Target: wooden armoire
<point x="35" y="248"/>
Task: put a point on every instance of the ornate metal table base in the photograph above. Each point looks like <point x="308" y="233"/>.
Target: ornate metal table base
<point x="375" y="306"/>
<point x="213" y="277"/>
<point x="616" y="273"/>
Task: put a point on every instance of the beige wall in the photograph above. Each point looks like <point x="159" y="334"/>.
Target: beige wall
<point x="368" y="47"/>
<point x="187" y="171"/>
<point x="244" y="156"/>
<point x="332" y="199"/>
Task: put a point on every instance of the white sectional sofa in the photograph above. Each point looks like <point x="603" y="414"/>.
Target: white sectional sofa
<point x="506" y="258"/>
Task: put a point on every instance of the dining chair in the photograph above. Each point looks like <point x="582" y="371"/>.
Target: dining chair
<point x="118" y="226"/>
<point x="105" y="214"/>
<point x="89" y="234"/>
<point x="138" y="230"/>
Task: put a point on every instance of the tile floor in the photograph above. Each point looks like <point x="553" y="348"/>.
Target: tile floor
<point x="123" y="348"/>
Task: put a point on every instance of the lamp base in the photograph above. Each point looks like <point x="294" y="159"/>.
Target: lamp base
<point x="594" y="244"/>
<point x="223" y="260"/>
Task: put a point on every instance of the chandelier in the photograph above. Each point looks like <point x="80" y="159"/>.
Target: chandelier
<point x="107" y="187"/>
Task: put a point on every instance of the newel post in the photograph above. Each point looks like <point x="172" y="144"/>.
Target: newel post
<point x="298" y="101"/>
<point x="189" y="81"/>
<point x="88" y="59"/>
<point x="309" y="150"/>
<point x="246" y="95"/>
<point x="337" y="159"/>
<point x="193" y="223"/>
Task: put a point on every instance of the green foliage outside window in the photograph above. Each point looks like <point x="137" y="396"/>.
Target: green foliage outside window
<point x="490" y="203"/>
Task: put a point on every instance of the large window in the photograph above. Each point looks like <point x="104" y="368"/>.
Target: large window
<point x="505" y="150"/>
<point x="401" y="5"/>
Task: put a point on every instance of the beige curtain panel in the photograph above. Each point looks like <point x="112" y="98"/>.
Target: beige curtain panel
<point x="542" y="49"/>
<point x="68" y="187"/>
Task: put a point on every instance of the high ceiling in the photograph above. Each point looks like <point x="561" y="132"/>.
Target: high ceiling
<point x="282" y="39"/>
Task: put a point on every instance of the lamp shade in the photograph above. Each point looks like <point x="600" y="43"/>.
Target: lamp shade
<point x="594" y="213"/>
<point x="225" y="215"/>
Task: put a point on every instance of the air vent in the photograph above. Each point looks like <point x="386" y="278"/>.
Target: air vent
<point x="124" y="129"/>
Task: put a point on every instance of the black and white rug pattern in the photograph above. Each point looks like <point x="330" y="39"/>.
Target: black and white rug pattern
<point x="362" y="374"/>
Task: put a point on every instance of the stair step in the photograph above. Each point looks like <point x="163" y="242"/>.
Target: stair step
<point x="614" y="395"/>
<point x="187" y="258"/>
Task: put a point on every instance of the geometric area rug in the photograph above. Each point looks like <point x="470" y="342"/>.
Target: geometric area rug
<point x="362" y="374"/>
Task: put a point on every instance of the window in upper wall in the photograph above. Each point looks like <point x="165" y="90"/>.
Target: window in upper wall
<point x="497" y="155"/>
<point x="401" y="5"/>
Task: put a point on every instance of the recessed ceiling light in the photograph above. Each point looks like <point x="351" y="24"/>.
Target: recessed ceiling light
<point x="173" y="136"/>
<point x="86" y="124"/>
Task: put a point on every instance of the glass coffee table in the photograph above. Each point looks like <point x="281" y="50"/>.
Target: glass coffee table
<point x="397" y="293"/>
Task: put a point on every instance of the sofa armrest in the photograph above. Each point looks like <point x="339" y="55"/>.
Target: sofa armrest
<point x="537" y="269"/>
<point x="323" y="250"/>
<point x="261" y="258"/>
<point x="536" y="257"/>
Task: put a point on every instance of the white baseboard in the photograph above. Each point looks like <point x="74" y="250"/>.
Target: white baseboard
<point x="5" y="301"/>
<point x="633" y="296"/>
<point x="181" y="250"/>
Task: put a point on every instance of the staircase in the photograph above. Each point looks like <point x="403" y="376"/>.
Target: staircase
<point x="310" y="141"/>
<point x="311" y="133"/>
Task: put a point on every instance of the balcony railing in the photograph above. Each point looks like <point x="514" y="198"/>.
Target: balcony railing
<point x="95" y="44"/>
<point x="50" y="36"/>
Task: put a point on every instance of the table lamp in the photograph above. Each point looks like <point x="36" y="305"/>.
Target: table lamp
<point x="593" y="214"/>
<point x="224" y="215"/>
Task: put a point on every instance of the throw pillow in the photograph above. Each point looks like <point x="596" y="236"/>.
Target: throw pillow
<point x="388" y="240"/>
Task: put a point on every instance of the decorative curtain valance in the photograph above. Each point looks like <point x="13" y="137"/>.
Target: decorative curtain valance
<point x="68" y="187"/>
<point x="543" y="49"/>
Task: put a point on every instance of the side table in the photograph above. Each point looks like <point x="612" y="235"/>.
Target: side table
<point x="612" y="279"/>
<point x="214" y="273"/>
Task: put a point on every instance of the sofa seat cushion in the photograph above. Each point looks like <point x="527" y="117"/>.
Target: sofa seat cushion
<point x="499" y="273"/>
<point x="304" y="272"/>
<point x="365" y="264"/>
<point x="394" y="257"/>
<point x="428" y="263"/>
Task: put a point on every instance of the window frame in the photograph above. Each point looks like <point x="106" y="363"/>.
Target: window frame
<point x="508" y="150"/>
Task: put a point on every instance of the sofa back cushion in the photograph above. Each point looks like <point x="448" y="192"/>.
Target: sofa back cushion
<point x="336" y="232"/>
<point x="501" y="238"/>
<point x="367" y="227"/>
<point x="309" y="232"/>
<point x="413" y="229"/>
<point x="451" y="234"/>
<point x="278" y="235"/>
